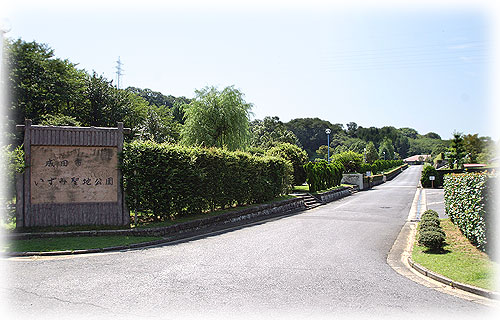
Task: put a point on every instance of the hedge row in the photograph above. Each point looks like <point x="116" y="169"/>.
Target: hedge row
<point x="468" y="198"/>
<point x="322" y="175"/>
<point x="379" y="166"/>
<point x="169" y="180"/>
<point x="296" y="156"/>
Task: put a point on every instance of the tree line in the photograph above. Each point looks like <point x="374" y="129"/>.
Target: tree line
<point x="54" y="91"/>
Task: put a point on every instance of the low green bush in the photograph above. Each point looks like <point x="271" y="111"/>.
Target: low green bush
<point x="431" y="234"/>
<point x="431" y="213"/>
<point x="364" y="167"/>
<point x="431" y="239"/>
<point x="435" y="229"/>
<point x="427" y="172"/>
<point x="430" y="223"/>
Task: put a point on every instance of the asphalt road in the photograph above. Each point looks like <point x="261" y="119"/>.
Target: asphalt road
<point x="326" y="262"/>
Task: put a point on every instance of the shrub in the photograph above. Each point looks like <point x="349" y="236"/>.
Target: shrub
<point x="430" y="223"/>
<point x="11" y="162"/>
<point x="431" y="213"/>
<point x="297" y="157"/>
<point x="322" y="175"/>
<point x="364" y="167"/>
<point x="431" y="234"/>
<point x="169" y="180"/>
<point x="435" y="229"/>
<point x="379" y="166"/>
<point x="350" y="160"/>
<point x="431" y="239"/>
<point x="426" y="173"/>
<point x="467" y="202"/>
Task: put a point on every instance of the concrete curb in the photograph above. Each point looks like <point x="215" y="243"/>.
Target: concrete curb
<point x="399" y="258"/>
<point x="181" y="231"/>
<point x="454" y="284"/>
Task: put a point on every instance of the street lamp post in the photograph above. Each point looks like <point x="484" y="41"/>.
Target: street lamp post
<point x="384" y="155"/>
<point x="327" y="131"/>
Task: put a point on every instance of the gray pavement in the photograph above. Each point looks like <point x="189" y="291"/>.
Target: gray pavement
<point x="328" y="262"/>
<point x="435" y="201"/>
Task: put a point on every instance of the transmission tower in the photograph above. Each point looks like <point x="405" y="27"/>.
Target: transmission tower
<point x="119" y="72"/>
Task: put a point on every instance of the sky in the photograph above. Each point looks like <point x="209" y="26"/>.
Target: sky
<point x="428" y="66"/>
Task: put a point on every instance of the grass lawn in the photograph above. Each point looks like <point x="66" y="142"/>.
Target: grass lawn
<point x="71" y="243"/>
<point x="460" y="260"/>
<point x="96" y="242"/>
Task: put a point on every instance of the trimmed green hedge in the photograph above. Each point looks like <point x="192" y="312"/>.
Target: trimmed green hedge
<point x="169" y="180"/>
<point x="322" y="175"/>
<point x="297" y="157"/>
<point x="467" y="197"/>
<point x="379" y="166"/>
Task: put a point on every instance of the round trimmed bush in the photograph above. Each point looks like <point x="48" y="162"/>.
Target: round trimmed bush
<point x="434" y="229"/>
<point x="431" y="239"/>
<point x="430" y="222"/>
<point x="431" y="213"/>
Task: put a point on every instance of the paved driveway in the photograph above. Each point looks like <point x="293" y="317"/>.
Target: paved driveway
<point x="326" y="262"/>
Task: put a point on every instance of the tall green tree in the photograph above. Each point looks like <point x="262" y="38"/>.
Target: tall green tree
<point x="47" y="89"/>
<point x="473" y="146"/>
<point x="107" y="105"/>
<point x="370" y="153"/>
<point x="409" y="132"/>
<point x="39" y="83"/>
<point x="160" y="100"/>
<point x="352" y="128"/>
<point x="322" y="152"/>
<point x="386" y="150"/>
<point x="311" y="132"/>
<point x="402" y="146"/>
<point x="217" y="119"/>
<point x="269" y="132"/>
<point x="457" y="150"/>
<point x="159" y="126"/>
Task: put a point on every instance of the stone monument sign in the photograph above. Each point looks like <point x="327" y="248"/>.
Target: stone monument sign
<point x="72" y="178"/>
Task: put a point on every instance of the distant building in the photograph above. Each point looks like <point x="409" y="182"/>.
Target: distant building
<point x="417" y="159"/>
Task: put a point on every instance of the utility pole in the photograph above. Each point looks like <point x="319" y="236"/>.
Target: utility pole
<point x="119" y="72"/>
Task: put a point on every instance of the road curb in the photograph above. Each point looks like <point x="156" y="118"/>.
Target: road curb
<point x="451" y="283"/>
<point x="86" y="251"/>
<point x="399" y="258"/>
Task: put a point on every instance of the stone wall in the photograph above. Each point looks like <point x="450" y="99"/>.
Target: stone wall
<point x="334" y="194"/>
<point x="256" y="212"/>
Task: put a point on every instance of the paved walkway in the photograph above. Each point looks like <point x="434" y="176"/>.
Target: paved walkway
<point x="435" y="201"/>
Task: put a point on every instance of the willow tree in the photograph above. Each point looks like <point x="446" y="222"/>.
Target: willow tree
<point x="217" y="119"/>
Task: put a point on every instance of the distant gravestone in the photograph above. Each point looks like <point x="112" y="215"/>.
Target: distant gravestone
<point x="72" y="177"/>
